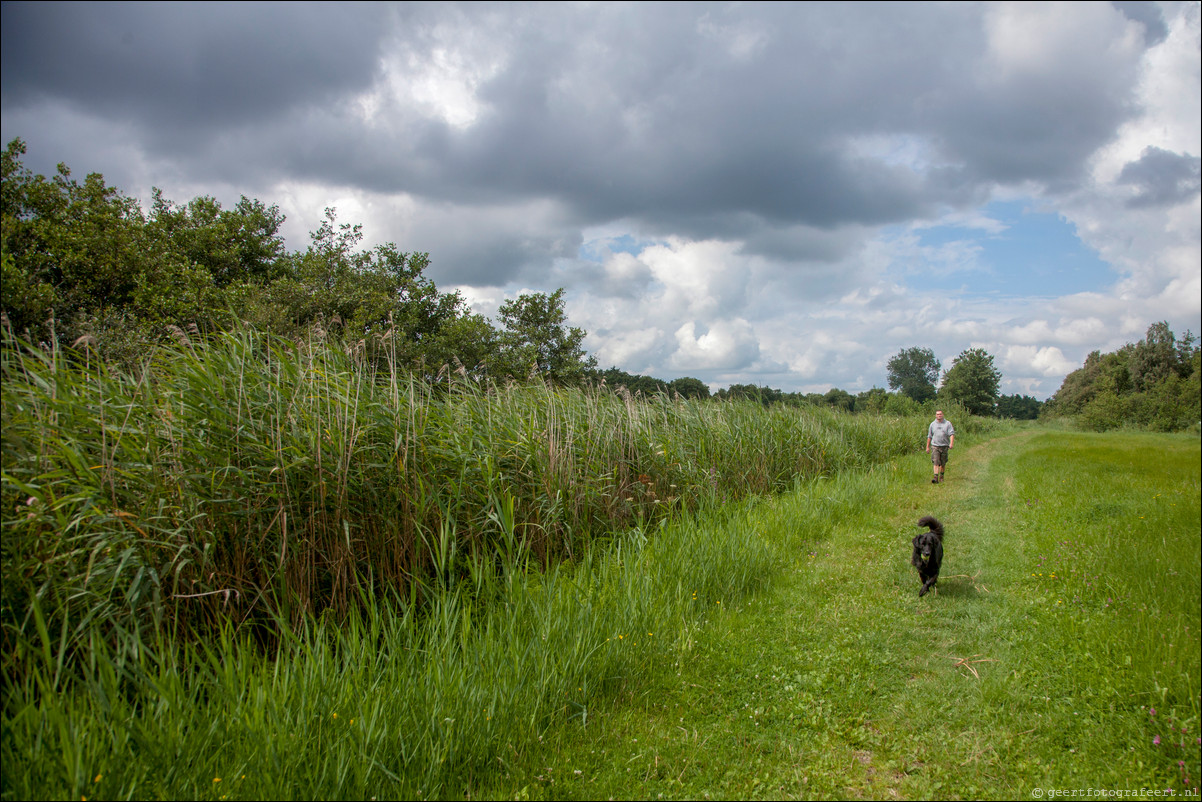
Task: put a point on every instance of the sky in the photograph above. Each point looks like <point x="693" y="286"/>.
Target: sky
<point x="777" y="194"/>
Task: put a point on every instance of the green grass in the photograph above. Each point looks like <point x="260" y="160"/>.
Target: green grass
<point x="385" y="703"/>
<point x="755" y="647"/>
<point x="1061" y="650"/>
<point x="252" y="479"/>
<point x="774" y="648"/>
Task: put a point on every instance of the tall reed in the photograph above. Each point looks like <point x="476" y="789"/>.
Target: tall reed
<point x="385" y="702"/>
<point x="252" y="479"/>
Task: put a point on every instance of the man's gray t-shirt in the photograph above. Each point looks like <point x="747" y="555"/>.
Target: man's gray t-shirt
<point x="941" y="433"/>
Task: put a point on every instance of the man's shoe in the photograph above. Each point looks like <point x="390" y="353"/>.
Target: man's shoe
<point x="934" y="480"/>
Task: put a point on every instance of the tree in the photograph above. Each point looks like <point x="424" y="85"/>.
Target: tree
<point x="535" y="337"/>
<point x="465" y="340"/>
<point x="873" y="400"/>
<point x="973" y="381"/>
<point x="1018" y="407"/>
<point x="614" y="378"/>
<point x="752" y="392"/>
<point x="80" y="258"/>
<point x="902" y="406"/>
<point x="233" y="245"/>
<point x="688" y="387"/>
<point x="840" y="399"/>
<point x="914" y="371"/>
<point x="1150" y="383"/>
<point x="1153" y="358"/>
<point x="378" y="300"/>
<point x="88" y="255"/>
<point x="75" y="248"/>
<point x="1187" y="352"/>
<point x="1100" y="373"/>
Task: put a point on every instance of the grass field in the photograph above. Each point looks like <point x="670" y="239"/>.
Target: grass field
<point x="774" y="648"/>
<point x="1061" y="651"/>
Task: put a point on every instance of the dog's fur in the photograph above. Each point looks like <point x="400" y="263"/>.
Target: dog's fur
<point x="928" y="552"/>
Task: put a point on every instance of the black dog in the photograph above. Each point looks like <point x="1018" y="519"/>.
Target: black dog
<point x="928" y="552"/>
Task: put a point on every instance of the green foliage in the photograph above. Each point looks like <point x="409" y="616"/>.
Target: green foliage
<point x="535" y="340"/>
<point x="25" y="302"/>
<point x="70" y="249"/>
<point x="468" y="341"/>
<point x="1105" y="411"/>
<point x="902" y="406"/>
<point x="378" y="302"/>
<point x="752" y="392"/>
<point x="874" y="400"/>
<point x="83" y="264"/>
<point x="840" y="399"/>
<point x="688" y="387"/>
<point x="1018" y="407"/>
<point x="768" y="396"/>
<point x="914" y="372"/>
<point x="972" y="381"/>
<point x="1151" y="384"/>
<point x="1154" y="358"/>
<point x="242" y="245"/>
<point x="637" y="384"/>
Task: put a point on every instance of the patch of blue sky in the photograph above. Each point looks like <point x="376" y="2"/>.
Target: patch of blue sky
<point x="1030" y="253"/>
<point x="596" y="250"/>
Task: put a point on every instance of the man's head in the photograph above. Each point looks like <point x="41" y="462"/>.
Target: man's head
<point x="939" y="414"/>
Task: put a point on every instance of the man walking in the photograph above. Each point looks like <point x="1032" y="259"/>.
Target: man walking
<point x="941" y="436"/>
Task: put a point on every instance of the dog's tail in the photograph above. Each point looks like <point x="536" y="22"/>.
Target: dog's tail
<point x="932" y="523"/>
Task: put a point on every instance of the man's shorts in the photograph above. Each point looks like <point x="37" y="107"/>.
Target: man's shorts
<point x="939" y="455"/>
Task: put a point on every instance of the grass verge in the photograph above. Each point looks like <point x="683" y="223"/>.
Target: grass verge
<point x="774" y="648"/>
<point x="1061" y="650"/>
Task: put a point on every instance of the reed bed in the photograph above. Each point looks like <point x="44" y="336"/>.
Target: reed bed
<point x="252" y="480"/>
<point x="383" y="703"/>
<point x="266" y="570"/>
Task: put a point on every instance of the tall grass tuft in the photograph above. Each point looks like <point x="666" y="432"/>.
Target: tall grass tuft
<point x="383" y="702"/>
<point x="252" y="480"/>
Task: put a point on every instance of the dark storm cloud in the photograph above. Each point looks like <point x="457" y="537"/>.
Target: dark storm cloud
<point x="654" y="117"/>
<point x="496" y="248"/>
<point x="1162" y="178"/>
<point x="759" y="123"/>
<point x="186" y="66"/>
<point x="1148" y="15"/>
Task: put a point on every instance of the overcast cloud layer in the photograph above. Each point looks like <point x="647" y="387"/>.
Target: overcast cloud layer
<point x="776" y="194"/>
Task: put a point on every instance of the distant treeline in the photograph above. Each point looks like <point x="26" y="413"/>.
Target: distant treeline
<point x="876" y="400"/>
<point x="1153" y="383"/>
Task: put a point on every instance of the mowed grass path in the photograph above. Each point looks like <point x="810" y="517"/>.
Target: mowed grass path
<point x="1061" y="650"/>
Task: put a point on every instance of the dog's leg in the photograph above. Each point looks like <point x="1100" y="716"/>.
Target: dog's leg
<point x="927" y="586"/>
